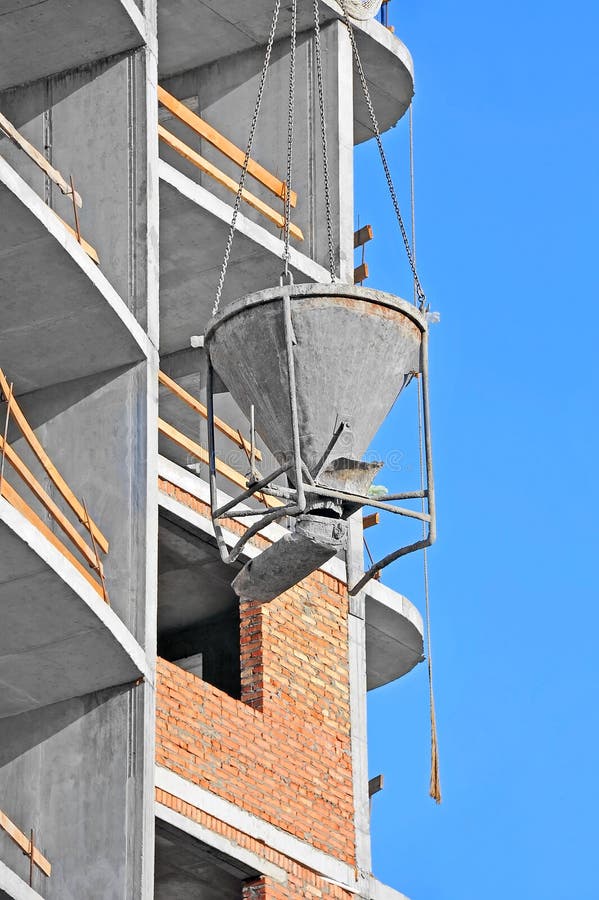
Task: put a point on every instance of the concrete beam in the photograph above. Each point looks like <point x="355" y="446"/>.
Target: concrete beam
<point x="14" y="888"/>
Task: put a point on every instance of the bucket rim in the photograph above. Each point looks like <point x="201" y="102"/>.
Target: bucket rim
<point x="357" y="292"/>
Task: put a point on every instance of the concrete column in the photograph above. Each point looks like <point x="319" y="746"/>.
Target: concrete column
<point x="357" y="675"/>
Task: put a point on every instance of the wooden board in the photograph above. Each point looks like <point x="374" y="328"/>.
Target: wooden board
<point x="53" y="174"/>
<point x="209" y="169"/>
<point x="87" y="247"/>
<point x="361" y="273"/>
<point x="222" y="468"/>
<point x="19" y="504"/>
<point x="24" y="843"/>
<point x="49" y="467"/>
<point x="362" y="236"/>
<point x="200" y="408"/>
<point x="47" y="502"/>
<point x="369" y="521"/>
<point x="226" y="147"/>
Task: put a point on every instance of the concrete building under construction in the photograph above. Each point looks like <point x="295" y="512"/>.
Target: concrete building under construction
<point x="186" y="641"/>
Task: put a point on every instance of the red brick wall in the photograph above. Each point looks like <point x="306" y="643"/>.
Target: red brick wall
<point x="284" y="754"/>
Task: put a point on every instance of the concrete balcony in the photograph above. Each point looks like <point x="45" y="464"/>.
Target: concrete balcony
<point x="60" y="639"/>
<point x="61" y="318"/>
<point x="194" y="34"/>
<point x="40" y="39"/>
<point x="194" y="224"/>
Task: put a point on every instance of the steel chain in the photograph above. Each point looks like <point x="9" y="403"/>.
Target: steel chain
<point x="382" y="154"/>
<point x="290" y="122"/>
<point x="323" y="133"/>
<point x="248" y="152"/>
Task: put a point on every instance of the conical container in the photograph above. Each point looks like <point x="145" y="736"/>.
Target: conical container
<point x="354" y="350"/>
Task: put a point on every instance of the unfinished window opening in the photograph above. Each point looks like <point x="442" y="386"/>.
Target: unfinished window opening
<point x="198" y="612"/>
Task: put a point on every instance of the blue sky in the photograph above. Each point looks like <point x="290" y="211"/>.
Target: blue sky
<point x="507" y="143"/>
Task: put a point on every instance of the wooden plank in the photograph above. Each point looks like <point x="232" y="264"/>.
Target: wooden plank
<point x="226" y="147"/>
<point x="87" y="247"/>
<point x="204" y="166"/>
<point x="9" y="129"/>
<point x="361" y="273"/>
<point x="24" y="843"/>
<point x="19" y="504"/>
<point x="370" y="520"/>
<point x="362" y="236"/>
<point x="48" y="503"/>
<point x="199" y="407"/>
<point x="222" y="468"/>
<point x="48" y="465"/>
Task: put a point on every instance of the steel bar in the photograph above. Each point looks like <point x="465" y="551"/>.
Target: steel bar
<point x="250" y="491"/>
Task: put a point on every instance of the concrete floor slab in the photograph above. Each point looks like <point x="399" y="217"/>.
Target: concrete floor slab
<point x="38" y="39"/>
<point x="194" y="225"/>
<point x="59" y="639"/>
<point x="14" y="888"/>
<point x="394" y="635"/>
<point x="192" y="34"/>
<point x="186" y="867"/>
<point x="61" y="319"/>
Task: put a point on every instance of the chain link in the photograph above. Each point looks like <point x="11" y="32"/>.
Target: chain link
<point x="248" y="152"/>
<point x="323" y="134"/>
<point x="290" y="120"/>
<point x="377" y="133"/>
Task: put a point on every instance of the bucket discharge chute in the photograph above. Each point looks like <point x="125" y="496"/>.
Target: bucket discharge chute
<point x="321" y="366"/>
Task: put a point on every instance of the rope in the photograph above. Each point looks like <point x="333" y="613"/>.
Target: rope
<point x="377" y="134"/>
<point x="248" y="153"/>
<point x="435" y="780"/>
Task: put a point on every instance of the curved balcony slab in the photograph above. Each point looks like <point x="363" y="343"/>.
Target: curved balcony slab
<point x="59" y="639"/>
<point x="192" y="34"/>
<point x="194" y="225"/>
<point x="61" y="319"/>
<point x="394" y="635"/>
<point x="14" y="888"/>
<point x="39" y="39"/>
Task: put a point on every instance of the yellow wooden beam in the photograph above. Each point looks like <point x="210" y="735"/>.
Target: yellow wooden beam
<point x="209" y="169"/>
<point x="24" y="843"/>
<point x="48" y="465"/>
<point x="48" y="503"/>
<point x="200" y="453"/>
<point x="226" y="147"/>
<point x="200" y="408"/>
<point x="53" y="174"/>
<point x="19" y="504"/>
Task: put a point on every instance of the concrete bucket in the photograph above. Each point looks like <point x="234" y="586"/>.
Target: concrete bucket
<point x="353" y="350"/>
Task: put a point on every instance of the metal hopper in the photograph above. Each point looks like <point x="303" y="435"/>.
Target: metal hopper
<point x="321" y="366"/>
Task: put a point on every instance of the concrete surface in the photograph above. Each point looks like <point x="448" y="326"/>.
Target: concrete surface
<point x="75" y="323"/>
<point x="186" y="867"/>
<point x="14" y="888"/>
<point x="192" y="34"/>
<point x="72" y="771"/>
<point x="50" y="614"/>
<point x="41" y="38"/>
<point x="193" y="232"/>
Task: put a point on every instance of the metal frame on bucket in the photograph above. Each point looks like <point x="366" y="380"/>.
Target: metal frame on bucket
<point x="306" y="481"/>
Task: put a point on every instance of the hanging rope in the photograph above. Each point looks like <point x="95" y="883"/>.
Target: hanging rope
<point x="323" y="135"/>
<point x="435" y="780"/>
<point x="248" y="153"/>
<point x="290" y="123"/>
<point x="377" y="134"/>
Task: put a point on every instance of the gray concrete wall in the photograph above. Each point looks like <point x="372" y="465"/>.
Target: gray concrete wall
<point x="224" y="93"/>
<point x="94" y="431"/>
<point x="73" y="773"/>
<point x="91" y="123"/>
